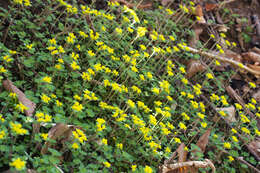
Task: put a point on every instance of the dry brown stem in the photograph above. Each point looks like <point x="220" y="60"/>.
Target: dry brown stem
<point x="224" y="59"/>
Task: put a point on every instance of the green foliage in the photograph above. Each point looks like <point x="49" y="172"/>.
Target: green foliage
<point x="119" y="83"/>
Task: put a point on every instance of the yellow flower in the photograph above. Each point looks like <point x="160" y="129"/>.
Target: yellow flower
<point x="77" y="106"/>
<point x="141" y="31"/>
<point x="142" y="47"/>
<point x="100" y="124"/>
<point x="234" y="130"/>
<point x="18" y="2"/>
<point x="149" y="75"/>
<point x="257" y="132"/>
<point x="107" y="164"/>
<point x="129" y="29"/>
<point x="21" y="107"/>
<point x="222" y="113"/>
<point x="7" y="58"/>
<point x="131" y="103"/>
<point x="227" y="145"/>
<point x="182" y="126"/>
<point x="221" y="51"/>
<point x="134" y="167"/>
<point x="58" y="66"/>
<point x="45" y="98"/>
<point x="2" y="70"/>
<point x="41" y="117"/>
<point x="172" y="38"/>
<point x="177" y="140"/>
<point x="44" y="136"/>
<point x="78" y="134"/>
<point x="252" y="85"/>
<point x="17" y="128"/>
<point x="75" y="145"/>
<point x="58" y="103"/>
<point x="234" y="138"/>
<point x="77" y="97"/>
<point x="200" y="115"/>
<point x="91" y="53"/>
<point x="18" y="164"/>
<point x="156" y="91"/>
<point x="104" y="141"/>
<point x="141" y="77"/>
<point x="185" y="81"/>
<point x="167" y="150"/>
<point x="120" y="146"/>
<point x="245" y="130"/>
<point x="238" y="106"/>
<point x="1" y="118"/>
<point x="152" y="119"/>
<point x="217" y="63"/>
<point x="230" y="158"/>
<point x="240" y="65"/>
<point x="222" y="35"/>
<point x="212" y="36"/>
<point x="2" y="134"/>
<point x="12" y="52"/>
<point x="74" y="65"/>
<point x="52" y="41"/>
<point x="148" y="169"/>
<point x="119" y="31"/>
<point x="209" y="76"/>
<point x="47" y="79"/>
<point x="29" y="46"/>
<point x="169" y="11"/>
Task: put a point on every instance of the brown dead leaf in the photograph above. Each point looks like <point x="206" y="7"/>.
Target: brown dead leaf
<point x="256" y="50"/>
<point x="256" y="96"/>
<point x="241" y="41"/>
<point x="233" y="55"/>
<point x="58" y="131"/>
<point x="199" y="13"/>
<point x="251" y="57"/>
<point x="193" y="67"/>
<point x="255" y="146"/>
<point x="254" y="67"/>
<point x="231" y="113"/>
<point x="165" y="2"/>
<point x="203" y="141"/>
<point x="182" y="153"/>
<point x="194" y="39"/>
<point x="222" y="28"/>
<point x="211" y="6"/>
<point x="8" y="85"/>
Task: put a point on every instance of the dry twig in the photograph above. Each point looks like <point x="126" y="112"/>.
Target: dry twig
<point x="224" y="59"/>
<point x="193" y="164"/>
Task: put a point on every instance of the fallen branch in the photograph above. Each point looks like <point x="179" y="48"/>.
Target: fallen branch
<point x="224" y="59"/>
<point x="232" y="93"/>
<point x="240" y="159"/>
<point x="192" y="164"/>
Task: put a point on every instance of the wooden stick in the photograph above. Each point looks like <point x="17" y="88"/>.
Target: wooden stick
<point x="240" y="159"/>
<point x="193" y="164"/>
<point x="223" y="59"/>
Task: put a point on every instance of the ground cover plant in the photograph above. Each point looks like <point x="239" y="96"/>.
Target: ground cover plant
<point x="108" y="90"/>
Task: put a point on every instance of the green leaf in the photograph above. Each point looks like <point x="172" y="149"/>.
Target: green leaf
<point x="90" y="113"/>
